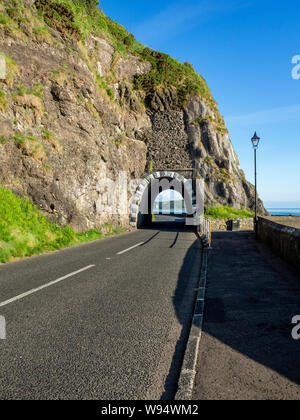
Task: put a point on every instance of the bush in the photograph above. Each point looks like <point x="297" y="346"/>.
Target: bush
<point x="168" y="72"/>
<point x="227" y="213"/>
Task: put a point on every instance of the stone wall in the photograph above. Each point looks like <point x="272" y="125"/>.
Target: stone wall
<point x="284" y="240"/>
<point x="222" y="225"/>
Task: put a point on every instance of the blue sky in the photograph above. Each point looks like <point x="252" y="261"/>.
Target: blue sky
<point x="244" y="50"/>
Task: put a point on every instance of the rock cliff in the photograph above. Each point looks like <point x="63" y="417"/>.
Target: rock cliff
<point x="82" y="100"/>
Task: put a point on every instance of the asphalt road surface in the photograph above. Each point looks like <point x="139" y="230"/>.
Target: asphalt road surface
<point x="106" y="320"/>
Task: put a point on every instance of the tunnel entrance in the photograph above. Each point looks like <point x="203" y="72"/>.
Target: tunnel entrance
<point x="164" y="197"/>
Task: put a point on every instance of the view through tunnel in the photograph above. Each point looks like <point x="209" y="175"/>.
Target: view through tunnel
<point x="169" y="210"/>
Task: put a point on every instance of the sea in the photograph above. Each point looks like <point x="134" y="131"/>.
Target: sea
<point x="284" y="211"/>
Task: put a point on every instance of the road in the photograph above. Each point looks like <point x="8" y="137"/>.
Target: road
<point x="105" y="320"/>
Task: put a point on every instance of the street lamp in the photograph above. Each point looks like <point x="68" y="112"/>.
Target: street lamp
<point x="255" y="142"/>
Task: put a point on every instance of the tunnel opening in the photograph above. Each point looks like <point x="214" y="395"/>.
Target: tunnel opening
<point x="169" y="209"/>
<point x="163" y="198"/>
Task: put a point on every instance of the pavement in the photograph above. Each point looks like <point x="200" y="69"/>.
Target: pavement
<point x="105" y="320"/>
<point x="247" y="351"/>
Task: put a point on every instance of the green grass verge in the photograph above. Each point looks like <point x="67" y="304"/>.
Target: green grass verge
<point x="25" y="232"/>
<point x="227" y="213"/>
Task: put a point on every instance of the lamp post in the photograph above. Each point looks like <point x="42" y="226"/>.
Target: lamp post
<point x="255" y="142"/>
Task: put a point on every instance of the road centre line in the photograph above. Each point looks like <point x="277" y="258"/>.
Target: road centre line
<point x="32" y="291"/>
<point x="131" y="248"/>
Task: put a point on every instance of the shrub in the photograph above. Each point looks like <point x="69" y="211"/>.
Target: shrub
<point x="227" y="213"/>
<point x="167" y="72"/>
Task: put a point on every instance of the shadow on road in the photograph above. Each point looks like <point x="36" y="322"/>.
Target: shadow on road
<point x="169" y="223"/>
<point x="183" y="299"/>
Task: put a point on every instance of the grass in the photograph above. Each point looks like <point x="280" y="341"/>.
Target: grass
<point x="31" y="147"/>
<point x="101" y="83"/>
<point x="3" y="101"/>
<point x="36" y="90"/>
<point x="3" y="139"/>
<point x="12" y="70"/>
<point x="42" y="34"/>
<point x="119" y="140"/>
<point x="227" y="213"/>
<point x="25" y="232"/>
<point x="150" y="166"/>
<point x="168" y="72"/>
<point x="209" y="159"/>
<point x="12" y="16"/>
<point x="52" y="139"/>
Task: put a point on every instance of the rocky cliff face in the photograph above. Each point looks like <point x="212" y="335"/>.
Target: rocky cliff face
<point x="77" y="107"/>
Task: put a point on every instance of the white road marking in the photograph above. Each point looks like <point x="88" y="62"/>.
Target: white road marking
<point x="30" y="292"/>
<point x="129" y="249"/>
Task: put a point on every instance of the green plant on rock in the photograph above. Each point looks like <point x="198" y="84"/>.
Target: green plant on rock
<point x="2" y="139"/>
<point x="42" y="34"/>
<point x="168" y="72"/>
<point x="52" y="139"/>
<point x="119" y="140"/>
<point x="12" y="16"/>
<point x="102" y="85"/>
<point x="36" y="90"/>
<point x="209" y="159"/>
<point x="12" y="70"/>
<point x="150" y="166"/>
<point x="30" y="146"/>
<point x="225" y="174"/>
<point x="3" y="101"/>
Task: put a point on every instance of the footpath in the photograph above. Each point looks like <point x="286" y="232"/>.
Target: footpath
<point x="247" y="351"/>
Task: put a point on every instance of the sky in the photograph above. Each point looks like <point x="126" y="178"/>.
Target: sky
<point x="247" y="52"/>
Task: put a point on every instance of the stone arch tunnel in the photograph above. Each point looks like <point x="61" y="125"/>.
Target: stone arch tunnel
<point x="155" y="183"/>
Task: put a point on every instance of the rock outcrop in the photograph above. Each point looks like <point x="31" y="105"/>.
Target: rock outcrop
<point x="74" y="112"/>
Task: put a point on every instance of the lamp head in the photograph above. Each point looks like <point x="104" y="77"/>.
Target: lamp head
<point x="255" y="141"/>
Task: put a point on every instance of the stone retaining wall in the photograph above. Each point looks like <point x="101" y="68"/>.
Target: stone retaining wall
<point x="284" y="240"/>
<point x="223" y="225"/>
